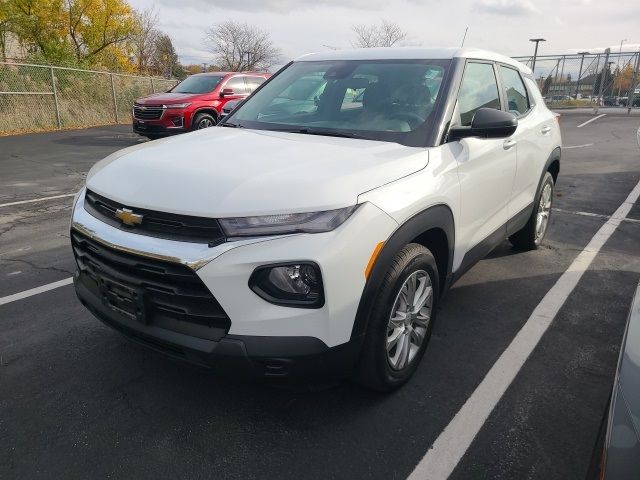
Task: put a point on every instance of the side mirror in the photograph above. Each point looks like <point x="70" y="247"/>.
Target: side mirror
<point x="226" y="92"/>
<point x="487" y="123"/>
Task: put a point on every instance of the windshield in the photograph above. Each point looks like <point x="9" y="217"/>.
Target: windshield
<point x="197" y="84"/>
<point x="390" y="100"/>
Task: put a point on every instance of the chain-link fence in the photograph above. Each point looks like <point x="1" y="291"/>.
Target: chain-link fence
<point x="36" y="97"/>
<point x="588" y="79"/>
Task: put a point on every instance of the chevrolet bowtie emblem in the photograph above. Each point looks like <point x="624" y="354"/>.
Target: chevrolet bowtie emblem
<point x="127" y="217"/>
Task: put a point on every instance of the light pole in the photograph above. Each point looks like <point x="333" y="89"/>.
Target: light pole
<point x="535" y="53"/>
<point x="580" y="72"/>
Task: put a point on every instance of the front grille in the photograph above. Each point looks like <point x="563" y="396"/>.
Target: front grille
<point x="170" y="226"/>
<point x="174" y="297"/>
<point x="152" y="112"/>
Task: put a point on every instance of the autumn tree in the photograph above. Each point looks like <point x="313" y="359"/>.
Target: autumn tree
<point x="239" y="46"/>
<point x="623" y="79"/>
<point x="165" y="59"/>
<point x="145" y="38"/>
<point x="384" y="34"/>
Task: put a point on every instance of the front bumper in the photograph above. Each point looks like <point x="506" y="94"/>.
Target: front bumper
<point x="263" y="338"/>
<point x="253" y="356"/>
<point x="147" y="128"/>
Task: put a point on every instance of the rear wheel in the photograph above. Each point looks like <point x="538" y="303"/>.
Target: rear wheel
<point x="532" y="234"/>
<point x="203" y="120"/>
<point x="401" y="320"/>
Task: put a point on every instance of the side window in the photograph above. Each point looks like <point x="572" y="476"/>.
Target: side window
<point x="237" y="84"/>
<point x="479" y="90"/>
<point x="515" y="91"/>
<point x="253" y="83"/>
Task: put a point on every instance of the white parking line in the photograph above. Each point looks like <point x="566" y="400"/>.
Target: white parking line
<point x="445" y="453"/>
<point x="41" y="199"/>
<point x="591" y="120"/>
<point x="578" y="146"/>
<point x="35" y="291"/>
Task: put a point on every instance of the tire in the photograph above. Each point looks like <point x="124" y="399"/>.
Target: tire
<point x="532" y="235"/>
<point x="203" y="120"/>
<point x="377" y="368"/>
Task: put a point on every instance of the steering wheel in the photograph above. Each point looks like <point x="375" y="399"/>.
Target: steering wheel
<point x="413" y="119"/>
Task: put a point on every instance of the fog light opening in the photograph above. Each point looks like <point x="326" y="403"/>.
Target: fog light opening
<point x="296" y="284"/>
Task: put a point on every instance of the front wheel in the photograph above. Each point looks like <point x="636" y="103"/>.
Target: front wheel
<point x="532" y="234"/>
<point x="401" y="320"/>
<point x="203" y="120"/>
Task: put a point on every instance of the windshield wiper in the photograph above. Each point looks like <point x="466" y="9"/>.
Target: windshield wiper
<point x="231" y="125"/>
<point x="326" y="133"/>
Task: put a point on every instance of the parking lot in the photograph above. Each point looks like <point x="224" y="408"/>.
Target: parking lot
<point x="77" y="400"/>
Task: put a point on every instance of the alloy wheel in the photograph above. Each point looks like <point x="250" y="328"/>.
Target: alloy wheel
<point x="544" y="210"/>
<point x="409" y="320"/>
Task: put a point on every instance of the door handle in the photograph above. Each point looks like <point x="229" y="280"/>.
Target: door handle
<point x="545" y="130"/>
<point x="508" y="144"/>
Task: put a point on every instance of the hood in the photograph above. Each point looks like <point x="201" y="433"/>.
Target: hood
<point x="167" y="98"/>
<point x="231" y="172"/>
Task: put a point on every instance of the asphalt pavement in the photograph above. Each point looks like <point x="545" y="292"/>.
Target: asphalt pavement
<point x="77" y="400"/>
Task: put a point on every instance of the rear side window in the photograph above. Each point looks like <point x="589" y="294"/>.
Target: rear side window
<point x="515" y="91"/>
<point x="237" y="84"/>
<point x="479" y="90"/>
<point x="253" y="83"/>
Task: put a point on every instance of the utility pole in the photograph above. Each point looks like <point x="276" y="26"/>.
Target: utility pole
<point x="535" y="53"/>
<point x="580" y="73"/>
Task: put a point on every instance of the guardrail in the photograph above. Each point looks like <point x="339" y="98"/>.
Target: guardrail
<point x="40" y="97"/>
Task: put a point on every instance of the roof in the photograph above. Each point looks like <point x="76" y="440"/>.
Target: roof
<point x="412" y="53"/>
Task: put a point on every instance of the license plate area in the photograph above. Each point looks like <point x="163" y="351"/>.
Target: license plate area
<point x="123" y="299"/>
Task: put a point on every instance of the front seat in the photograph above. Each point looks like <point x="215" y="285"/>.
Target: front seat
<point x="376" y="109"/>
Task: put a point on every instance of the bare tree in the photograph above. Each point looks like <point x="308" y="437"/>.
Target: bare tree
<point x="384" y="34"/>
<point x="240" y="46"/>
<point x="145" y="39"/>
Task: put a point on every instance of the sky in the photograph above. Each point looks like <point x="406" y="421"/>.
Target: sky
<point x="303" y="26"/>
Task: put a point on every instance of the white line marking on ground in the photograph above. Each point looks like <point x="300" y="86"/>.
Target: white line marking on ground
<point x="41" y="199"/>
<point x="35" y="291"/>
<point x="445" y="453"/>
<point x="591" y="120"/>
<point x="595" y="215"/>
<point x="578" y="146"/>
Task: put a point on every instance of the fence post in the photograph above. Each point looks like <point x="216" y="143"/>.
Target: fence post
<point x="634" y="83"/>
<point x="153" y="87"/>
<point x="115" y="101"/>
<point x="55" y="97"/>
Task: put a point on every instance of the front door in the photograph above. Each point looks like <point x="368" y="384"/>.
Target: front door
<point x="486" y="167"/>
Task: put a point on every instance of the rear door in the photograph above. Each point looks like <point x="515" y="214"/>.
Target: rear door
<point x="253" y="82"/>
<point x="534" y="127"/>
<point x="486" y="167"/>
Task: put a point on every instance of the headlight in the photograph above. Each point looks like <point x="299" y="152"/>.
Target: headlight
<point x="178" y="105"/>
<point x="296" y="284"/>
<point x="312" y="222"/>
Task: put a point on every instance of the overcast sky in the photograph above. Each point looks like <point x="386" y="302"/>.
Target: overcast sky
<point x="302" y="26"/>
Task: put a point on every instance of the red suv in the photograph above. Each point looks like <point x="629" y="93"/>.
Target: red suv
<point x="194" y="103"/>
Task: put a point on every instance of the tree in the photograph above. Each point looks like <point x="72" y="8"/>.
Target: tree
<point x="384" y="34"/>
<point x="97" y="25"/>
<point x="623" y="79"/>
<point x="547" y="85"/>
<point x="240" y="46"/>
<point x="145" y="38"/>
<point x="165" y="59"/>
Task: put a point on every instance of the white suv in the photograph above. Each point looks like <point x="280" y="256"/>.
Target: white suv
<point x="315" y="230"/>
